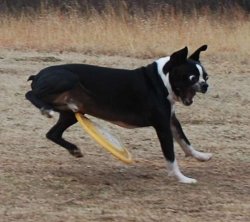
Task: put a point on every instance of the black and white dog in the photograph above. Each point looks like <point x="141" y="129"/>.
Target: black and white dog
<point x="141" y="97"/>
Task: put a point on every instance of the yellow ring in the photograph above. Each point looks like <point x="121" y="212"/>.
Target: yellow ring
<point x="92" y="130"/>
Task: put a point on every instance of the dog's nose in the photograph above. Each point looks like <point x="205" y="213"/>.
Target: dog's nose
<point x="204" y="87"/>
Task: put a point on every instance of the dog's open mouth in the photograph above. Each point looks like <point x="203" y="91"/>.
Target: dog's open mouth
<point x="187" y="97"/>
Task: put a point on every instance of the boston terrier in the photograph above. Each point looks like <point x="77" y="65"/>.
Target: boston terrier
<point x="142" y="97"/>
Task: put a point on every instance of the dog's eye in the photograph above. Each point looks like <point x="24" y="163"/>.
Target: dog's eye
<point x="206" y="77"/>
<point x="192" y="78"/>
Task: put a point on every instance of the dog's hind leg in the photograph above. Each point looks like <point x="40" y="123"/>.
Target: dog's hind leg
<point x="37" y="102"/>
<point x="66" y="119"/>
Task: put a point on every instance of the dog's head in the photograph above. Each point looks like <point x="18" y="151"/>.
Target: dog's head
<point x="183" y="76"/>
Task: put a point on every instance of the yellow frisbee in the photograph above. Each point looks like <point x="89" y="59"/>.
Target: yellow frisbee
<point x="104" y="138"/>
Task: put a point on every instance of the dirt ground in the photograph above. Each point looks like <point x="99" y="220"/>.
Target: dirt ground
<point x="40" y="181"/>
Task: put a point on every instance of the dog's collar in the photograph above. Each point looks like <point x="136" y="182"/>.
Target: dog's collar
<point x="165" y="78"/>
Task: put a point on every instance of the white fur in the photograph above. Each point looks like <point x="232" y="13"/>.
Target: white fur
<point x="201" y="77"/>
<point x="198" y="155"/>
<point x="175" y="171"/>
<point x="172" y="109"/>
<point x="51" y="113"/>
<point x="165" y="78"/>
<point x="73" y="107"/>
<point x="160" y="64"/>
<point x="190" y="151"/>
<point x="47" y="112"/>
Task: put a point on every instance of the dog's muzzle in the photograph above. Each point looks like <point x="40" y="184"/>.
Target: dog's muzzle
<point x="201" y="87"/>
<point x="204" y="87"/>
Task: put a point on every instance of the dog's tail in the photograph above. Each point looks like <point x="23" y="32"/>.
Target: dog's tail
<point x="31" y="78"/>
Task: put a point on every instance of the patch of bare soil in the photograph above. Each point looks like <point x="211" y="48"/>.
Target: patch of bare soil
<point x="40" y="181"/>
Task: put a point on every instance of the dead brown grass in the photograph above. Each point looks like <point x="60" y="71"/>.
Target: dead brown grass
<point x="118" y="32"/>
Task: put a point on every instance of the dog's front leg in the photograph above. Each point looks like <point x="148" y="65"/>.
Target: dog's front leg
<point x="184" y="142"/>
<point x="166" y="140"/>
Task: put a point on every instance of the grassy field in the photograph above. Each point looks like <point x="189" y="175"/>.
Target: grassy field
<point x="115" y="31"/>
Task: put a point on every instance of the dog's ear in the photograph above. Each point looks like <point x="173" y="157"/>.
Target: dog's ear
<point x="196" y="55"/>
<point x="177" y="58"/>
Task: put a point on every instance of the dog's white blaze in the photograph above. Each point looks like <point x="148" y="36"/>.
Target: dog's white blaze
<point x="175" y="171"/>
<point x="165" y="78"/>
<point x="201" y="77"/>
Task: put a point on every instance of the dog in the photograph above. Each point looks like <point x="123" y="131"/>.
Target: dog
<point x="142" y="97"/>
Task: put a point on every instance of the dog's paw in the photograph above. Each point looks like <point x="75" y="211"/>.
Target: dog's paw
<point x="202" y="156"/>
<point x="175" y="172"/>
<point x="181" y="178"/>
<point x="76" y="153"/>
<point x="187" y="180"/>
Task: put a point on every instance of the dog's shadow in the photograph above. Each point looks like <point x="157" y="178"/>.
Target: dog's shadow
<point x="122" y="177"/>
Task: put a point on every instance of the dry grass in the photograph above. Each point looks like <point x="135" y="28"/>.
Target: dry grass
<point x="118" y="32"/>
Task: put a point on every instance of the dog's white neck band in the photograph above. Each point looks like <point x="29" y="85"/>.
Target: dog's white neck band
<point x="165" y="78"/>
<point x="172" y="97"/>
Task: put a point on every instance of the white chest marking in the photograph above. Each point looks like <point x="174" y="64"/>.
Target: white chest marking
<point x="165" y="78"/>
<point x="161" y="63"/>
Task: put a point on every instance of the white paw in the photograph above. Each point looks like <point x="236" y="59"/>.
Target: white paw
<point x="175" y="171"/>
<point x="187" y="180"/>
<point x="202" y="156"/>
<point x="181" y="178"/>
